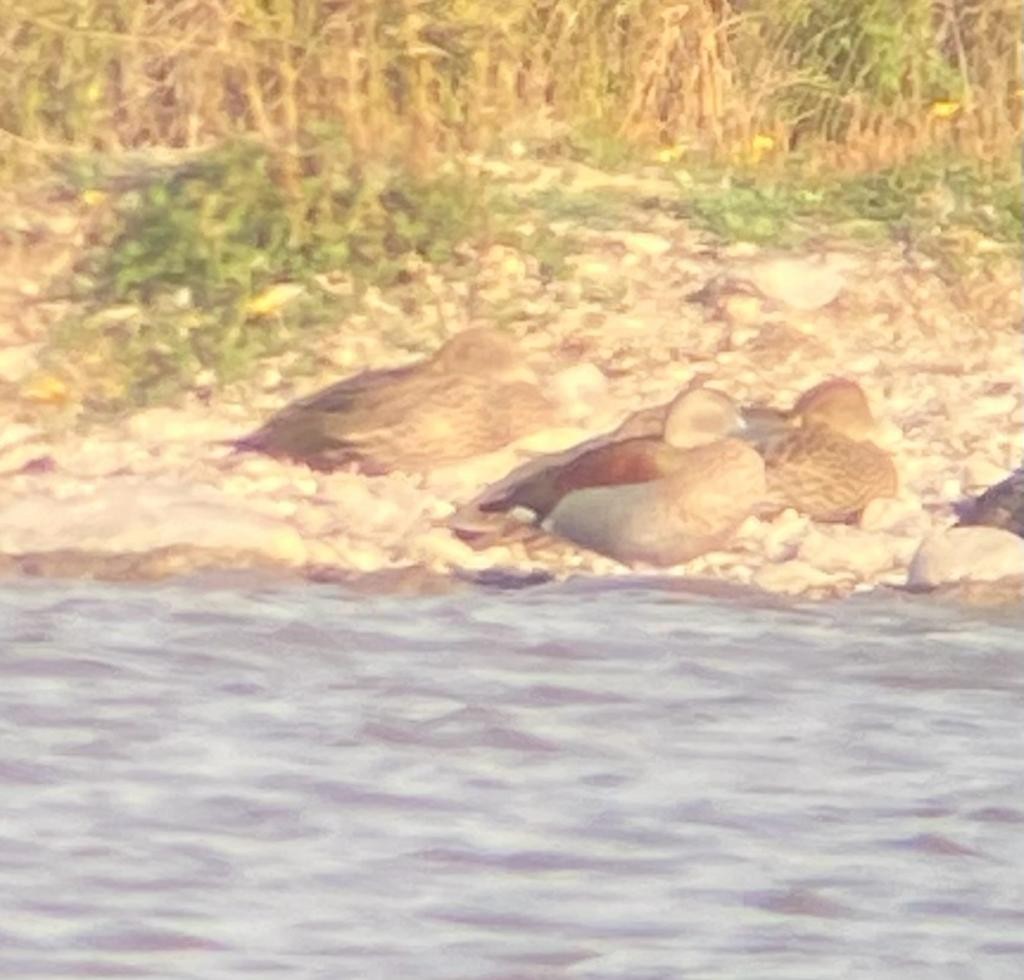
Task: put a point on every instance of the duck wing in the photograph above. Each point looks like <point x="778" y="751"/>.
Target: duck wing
<point x="825" y="474"/>
<point x="638" y="460"/>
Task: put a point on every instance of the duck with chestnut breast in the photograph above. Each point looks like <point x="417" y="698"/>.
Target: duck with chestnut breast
<point x="819" y="455"/>
<point x="658" y="500"/>
<point x="473" y="396"/>
<point x="484" y="520"/>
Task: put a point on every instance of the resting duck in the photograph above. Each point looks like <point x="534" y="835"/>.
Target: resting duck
<point x="474" y="395"/>
<point x="657" y="499"/>
<point x="819" y="457"/>
<point x="1001" y="505"/>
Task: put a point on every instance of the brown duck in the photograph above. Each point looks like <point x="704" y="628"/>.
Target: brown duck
<point x="1001" y="505"/>
<point x="473" y="396"/>
<point x="819" y="457"/>
<point x="643" y="498"/>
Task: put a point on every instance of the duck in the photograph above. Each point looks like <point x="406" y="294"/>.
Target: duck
<point x="820" y="457"/>
<point x="473" y="396"/>
<point x="1001" y="505"/>
<point x="643" y="498"/>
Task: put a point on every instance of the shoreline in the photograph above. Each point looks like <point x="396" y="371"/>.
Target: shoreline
<point x="647" y="306"/>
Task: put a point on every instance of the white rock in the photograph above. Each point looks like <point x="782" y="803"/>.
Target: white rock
<point x="792" y="578"/>
<point x="950" y="489"/>
<point x="865" y="364"/>
<point x="643" y="242"/>
<point x="18" y="362"/>
<point x="743" y="335"/>
<point x="130" y="515"/>
<point x="887" y="435"/>
<point x="94" y="458"/>
<point x="847" y="549"/>
<point x="893" y="514"/>
<point x="801" y="282"/>
<point x="16" y="433"/>
<point x="741" y="309"/>
<point x="363" y="556"/>
<point x="579" y="388"/>
<point x="156" y="425"/>
<point x="590" y="267"/>
<point x="980" y="473"/>
<point x="995" y="405"/>
<point x="439" y="545"/>
<point x="966" y="554"/>
<point x="779" y="539"/>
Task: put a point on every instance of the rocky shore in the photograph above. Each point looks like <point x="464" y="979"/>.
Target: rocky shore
<point x="648" y="304"/>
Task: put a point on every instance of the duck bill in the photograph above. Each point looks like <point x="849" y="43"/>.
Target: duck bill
<point x="758" y="422"/>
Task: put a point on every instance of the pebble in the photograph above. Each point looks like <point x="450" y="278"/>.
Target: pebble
<point x="18" y="362"/>
<point x="893" y="514"/>
<point x="643" y="242"/>
<point x="741" y="309"/>
<point x="979" y="473"/>
<point x="16" y="434"/>
<point x="126" y="515"/>
<point x="592" y="268"/>
<point x="579" y="388"/>
<point x="162" y="425"/>
<point x="799" y="282"/>
<point x="846" y="549"/>
<point x="90" y="459"/>
<point x="995" y="405"/>
<point x="973" y="554"/>
<point x="793" y="577"/>
<point x="866" y="364"/>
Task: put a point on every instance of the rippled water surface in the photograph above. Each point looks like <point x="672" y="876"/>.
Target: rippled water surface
<point x="583" y="780"/>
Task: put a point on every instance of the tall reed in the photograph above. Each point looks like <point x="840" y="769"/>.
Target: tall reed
<point x="863" y="78"/>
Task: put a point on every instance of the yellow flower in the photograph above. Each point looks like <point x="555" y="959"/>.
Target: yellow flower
<point x="945" y="108"/>
<point x="273" y="298"/>
<point x="92" y="197"/>
<point x="46" y="388"/>
<point x="670" y="154"/>
<point x="760" y="144"/>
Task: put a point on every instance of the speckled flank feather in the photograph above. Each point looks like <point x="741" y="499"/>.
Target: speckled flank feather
<point x="473" y="396"/>
<point x="818" y="455"/>
<point x="1001" y="505"/>
<point x="824" y="474"/>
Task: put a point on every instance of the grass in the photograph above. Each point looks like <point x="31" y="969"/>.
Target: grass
<point x="247" y="147"/>
<point x="209" y="268"/>
<point x="425" y="79"/>
<point x="914" y="199"/>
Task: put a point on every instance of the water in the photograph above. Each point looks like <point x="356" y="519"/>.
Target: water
<point x="583" y="780"/>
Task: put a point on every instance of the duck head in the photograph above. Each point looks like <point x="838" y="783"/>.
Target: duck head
<point x="482" y="351"/>
<point x="840" y="404"/>
<point x="701" y="416"/>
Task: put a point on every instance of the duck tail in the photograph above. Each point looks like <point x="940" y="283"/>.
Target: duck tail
<point x="964" y="511"/>
<point x="499" y="503"/>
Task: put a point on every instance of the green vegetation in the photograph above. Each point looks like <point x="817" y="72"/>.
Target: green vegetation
<point x="914" y="200"/>
<point x="225" y="228"/>
<point x="418" y="78"/>
<point x="198" y="249"/>
<point x="308" y="140"/>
